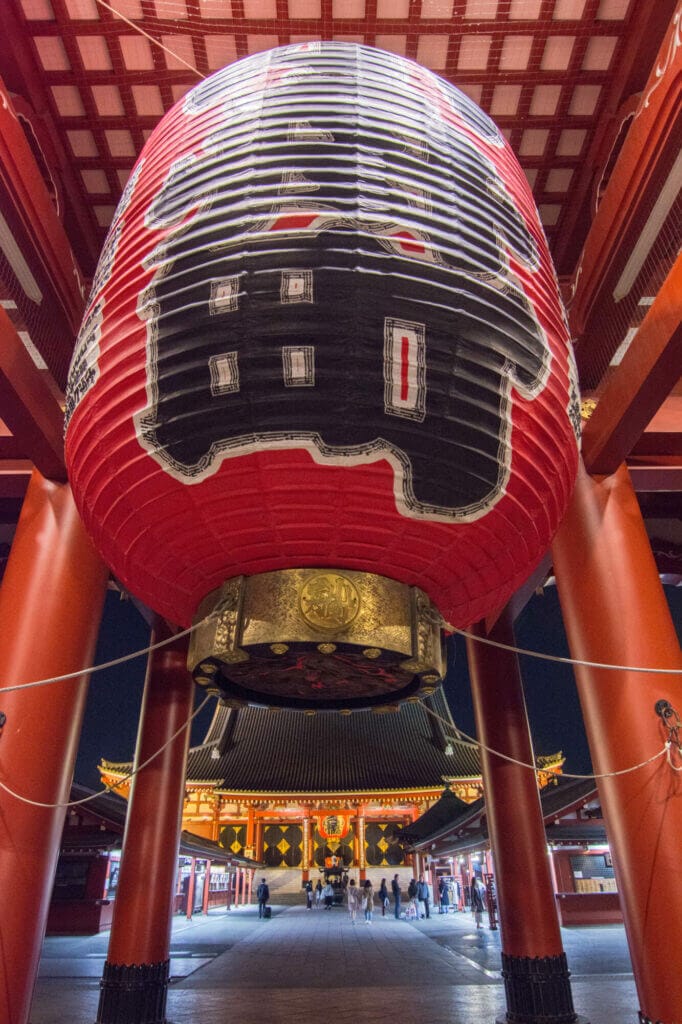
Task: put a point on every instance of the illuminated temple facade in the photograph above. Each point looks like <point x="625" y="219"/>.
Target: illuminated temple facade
<point x="333" y="789"/>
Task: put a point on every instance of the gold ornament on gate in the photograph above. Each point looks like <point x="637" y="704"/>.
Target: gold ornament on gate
<point x="329" y="601"/>
<point x="317" y="639"/>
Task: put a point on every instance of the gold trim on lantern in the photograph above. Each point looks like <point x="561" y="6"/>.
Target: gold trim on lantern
<point x="301" y="612"/>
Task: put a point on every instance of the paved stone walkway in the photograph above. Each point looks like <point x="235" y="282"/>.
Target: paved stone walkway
<point x="312" y="965"/>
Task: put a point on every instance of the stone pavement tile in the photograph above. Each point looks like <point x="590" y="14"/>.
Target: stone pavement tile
<point x="335" y="954"/>
<point x="57" y="1001"/>
<point x="303" y="965"/>
<point x="92" y="966"/>
<point x="363" y="1004"/>
<point x="611" y="1002"/>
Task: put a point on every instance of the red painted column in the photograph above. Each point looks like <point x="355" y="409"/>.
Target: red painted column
<point x="207" y="885"/>
<point x="258" y="854"/>
<point x="135" y="977"/>
<point x="50" y="608"/>
<point x="191" y="886"/>
<point x="250" y="831"/>
<point x="615" y="612"/>
<point x="534" y="964"/>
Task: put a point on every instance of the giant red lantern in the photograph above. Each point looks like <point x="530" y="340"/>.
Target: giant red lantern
<point x="324" y="332"/>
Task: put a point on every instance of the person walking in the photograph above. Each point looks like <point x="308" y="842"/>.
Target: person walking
<point x="383" y="897"/>
<point x="318" y="894"/>
<point x="395" y="889"/>
<point x="478" y="901"/>
<point x="262" y="895"/>
<point x="423" y="895"/>
<point x="368" y="901"/>
<point x="412" y="906"/>
<point x="328" y="893"/>
<point x="352" y="899"/>
<point x="443" y="896"/>
<point x="309" y="895"/>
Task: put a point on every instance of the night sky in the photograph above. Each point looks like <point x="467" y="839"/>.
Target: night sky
<point x="112" y="711"/>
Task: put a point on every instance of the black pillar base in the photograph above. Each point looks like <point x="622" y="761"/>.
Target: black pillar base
<point x="538" y="990"/>
<point x="643" y="1019"/>
<point x="133" y="994"/>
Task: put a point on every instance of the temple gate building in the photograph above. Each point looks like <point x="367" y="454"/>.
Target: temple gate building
<point x="510" y="240"/>
<point x="354" y="782"/>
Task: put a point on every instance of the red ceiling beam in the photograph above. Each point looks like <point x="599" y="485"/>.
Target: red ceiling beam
<point x="655" y="443"/>
<point x="650" y="479"/>
<point x="28" y="405"/>
<point x="648" y="21"/>
<point x="14" y="478"/>
<point x="11" y="449"/>
<point x="637" y="388"/>
<point x="31" y="202"/>
<point x="650" y="135"/>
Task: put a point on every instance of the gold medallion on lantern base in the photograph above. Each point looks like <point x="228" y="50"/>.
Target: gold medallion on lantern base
<point x="316" y="639"/>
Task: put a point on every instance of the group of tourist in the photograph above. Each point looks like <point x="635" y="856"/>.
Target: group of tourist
<point x="320" y="896"/>
<point x="361" y="898"/>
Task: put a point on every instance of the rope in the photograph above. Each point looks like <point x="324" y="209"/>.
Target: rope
<point x="668" y="747"/>
<point x="107" y="664"/>
<point x="462" y="632"/>
<point x="556" y="657"/>
<point x="156" y="42"/>
<point x="126" y="778"/>
<point x="469" y="741"/>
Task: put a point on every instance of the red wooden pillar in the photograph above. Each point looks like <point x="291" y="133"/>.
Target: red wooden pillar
<point x="258" y="853"/>
<point x="306" y="828"/>
<point x="177" y="904"/>
<point x="50" y="608"/>
<point x="135" y="978"/>
<point x="362" y="852"/>
<point x="615" y="612"/>
<point x="250" y="842"/>
<point x="207" y="886"/>
<point x="191" y="886"/>
<point x="534" y="964"/>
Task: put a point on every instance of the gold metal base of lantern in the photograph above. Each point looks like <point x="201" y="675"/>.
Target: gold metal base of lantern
<point x="317" y="639"/>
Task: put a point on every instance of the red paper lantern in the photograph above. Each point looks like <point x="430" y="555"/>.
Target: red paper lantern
<point x="324" y="331"/>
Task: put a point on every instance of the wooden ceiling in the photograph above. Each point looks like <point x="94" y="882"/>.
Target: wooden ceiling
<point x="556" y="76"/>
<point x="564" y="80"/>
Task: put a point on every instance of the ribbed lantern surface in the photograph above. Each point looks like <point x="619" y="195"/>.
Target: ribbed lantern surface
<point x="324" y="331"/>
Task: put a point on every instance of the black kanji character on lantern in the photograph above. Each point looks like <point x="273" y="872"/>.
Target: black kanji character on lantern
<point x="343" y="287"/>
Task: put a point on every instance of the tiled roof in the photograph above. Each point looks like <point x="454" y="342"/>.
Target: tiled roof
<point x="456" y="823"/>
<point x="559" y="798"/>
<point x="290" y="752"/>
<point x="448" y="808"/>
<point x="112" y="809"/>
